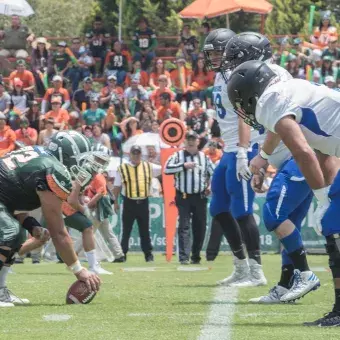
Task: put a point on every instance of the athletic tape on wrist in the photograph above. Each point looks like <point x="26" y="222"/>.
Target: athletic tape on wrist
<point x="76" y="267"/>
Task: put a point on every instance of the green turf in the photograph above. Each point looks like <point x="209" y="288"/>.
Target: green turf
<point x="163" y="304"/>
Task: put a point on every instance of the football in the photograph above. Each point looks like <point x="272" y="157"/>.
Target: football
<point x="79" y="294"/>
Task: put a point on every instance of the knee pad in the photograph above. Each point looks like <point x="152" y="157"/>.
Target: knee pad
<point x="270" y="219"/>
<point x="333" y="251"/>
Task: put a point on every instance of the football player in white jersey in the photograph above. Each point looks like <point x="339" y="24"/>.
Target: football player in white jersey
<point x="304" y="116"/>
<point x="296" y="278"/>
<point x="232" y="196"/>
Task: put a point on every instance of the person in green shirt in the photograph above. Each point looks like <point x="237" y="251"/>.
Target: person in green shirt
<point x="144" y="43"/>
<point x="94" y="114"/>
<point x="204" y="31"/>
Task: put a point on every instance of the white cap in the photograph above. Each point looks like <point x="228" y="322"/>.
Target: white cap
<point x="329" y="79"/>
<point x="57" y="78"/>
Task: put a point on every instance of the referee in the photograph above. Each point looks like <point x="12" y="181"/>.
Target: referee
<point x="193" y="171"/>
<point x="133" y="181"/>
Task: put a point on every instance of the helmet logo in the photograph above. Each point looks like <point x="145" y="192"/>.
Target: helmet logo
<point x="53" y="146"/>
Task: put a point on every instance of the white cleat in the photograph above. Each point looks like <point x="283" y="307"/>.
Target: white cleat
<point x="100" y="271"/>
<point x="256" y="274"/>
<point x="6" y="296"/>
<point x="272" y="297"/>
<point x="303" y="283"/>
<point x="240" y="275"/>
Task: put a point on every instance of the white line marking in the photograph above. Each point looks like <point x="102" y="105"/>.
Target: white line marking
<point x="192" y="269"/>
<point x="139" y="269"/>
<point x="219" y="322"/>
<point x="318" y="269"/>
<point x="57" y="317"/>
<point x="164" y="314"/>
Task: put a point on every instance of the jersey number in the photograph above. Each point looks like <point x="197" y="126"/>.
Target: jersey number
<point x="118" y="61"/>
<point x="143" y="43"/>
<point x="20" y="157"/>
<point x="221" y="111"/>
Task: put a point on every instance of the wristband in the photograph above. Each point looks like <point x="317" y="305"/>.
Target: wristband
<point x="76" y="267"/>
<point x="264" y="155"/>
<point x="30" y="223"/>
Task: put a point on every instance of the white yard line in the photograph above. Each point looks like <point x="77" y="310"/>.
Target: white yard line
<point x="218" y="325"/>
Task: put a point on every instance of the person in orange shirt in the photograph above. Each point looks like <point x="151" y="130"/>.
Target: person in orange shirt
<point x="60" y="116"/>
<point x="213" y="152"/>
<point x="137" y="72"/>
<point x="26" y="134"/>
<point x="56" y="90"/>
<point x="24" y="75"/>
<point x="168" y="109"/>
<point x="201" y="80"/>
<point x="157" y="71"/>
<point x="155" y="96"/>
<point x="7" y="137"/>
<point x="181" y="81"/>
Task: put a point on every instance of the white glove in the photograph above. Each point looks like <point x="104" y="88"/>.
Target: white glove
<point x="323" y="203"/>
<point x="242" y="168"/>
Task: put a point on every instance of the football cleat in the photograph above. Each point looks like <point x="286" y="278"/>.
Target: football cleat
<point x="331" y="319"/>
<point x="6" y="296"/>
<point x="240" y="276"/>
<point x="99" y="270"/>
<point x="303" y="283"/>
<point x="272" y="297"/>
<point x="256" y="273"/>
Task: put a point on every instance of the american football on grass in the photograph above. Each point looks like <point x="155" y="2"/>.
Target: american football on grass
<point x="79" y="294"/>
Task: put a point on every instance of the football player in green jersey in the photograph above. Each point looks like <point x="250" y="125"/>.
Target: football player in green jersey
<point x="30" y="178"/>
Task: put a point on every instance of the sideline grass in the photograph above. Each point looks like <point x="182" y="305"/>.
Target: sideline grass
<point x="155" y="305"/>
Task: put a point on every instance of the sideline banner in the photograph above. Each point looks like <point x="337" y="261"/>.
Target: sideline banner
<point x="269" y="242"/>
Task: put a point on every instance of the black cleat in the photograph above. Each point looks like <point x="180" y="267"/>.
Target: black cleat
<point x="119" y="260"/>
<point x="331" y="319"/>
<point x="195" y="262"/>
<point x="149" y="258"/>
<point x="184" y="262"/>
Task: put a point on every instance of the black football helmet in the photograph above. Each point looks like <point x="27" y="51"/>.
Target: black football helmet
<point x="246" y="85"/>
<point x="244" y="47"/>
<point x="216" y="41"/>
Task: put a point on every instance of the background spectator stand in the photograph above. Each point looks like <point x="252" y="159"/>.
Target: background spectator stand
<point x="56" y="90"/>
<point x="25" y="76"/>
<point x="15" y="39"/>
<point x="112" y="95"/>
<point x="7" y="137"/>
<point x="157" y="71"/>
<point x="118" y="63"/>
<point x="181" y="81"/>
<point x="137" y="74"/>
<point x="33" y="115"/>
<point x="326" y="69"/>
<point x="62" y="62"/>
<point x="203" y="33"/>
<point x="168" y="109"/>
<point x="60" y="115"/>
<point x="201" y="80"/>
<point x="146" y="116"/>
<point x="98" y="40"/>
<point x="94" y="114"/>
<point x="190" y="44"/>
<point x="41" y="64"/>
<point x="46" y="133"/>
<point x="5" y="99"/>
<point x="324" y="31"/>
<point x="197" y="121"/>
<point x="26" y="134"/>
<point x="19" y="103"/>
<point x="155" y="95"/>
<point x="99" y="136"/>
<point x="213" y="152"/>
<point x="144" y="43"/>
<point x="134" y="97"/>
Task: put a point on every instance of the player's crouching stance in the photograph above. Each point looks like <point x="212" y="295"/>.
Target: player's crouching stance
<point x="304" y="116"/>
<point x="32" y="178"/>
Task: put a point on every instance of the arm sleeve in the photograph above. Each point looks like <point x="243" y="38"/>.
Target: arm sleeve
<point x="173" y="165"/>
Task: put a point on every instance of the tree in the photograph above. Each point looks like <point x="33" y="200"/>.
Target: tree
<point x="289" y="16"/>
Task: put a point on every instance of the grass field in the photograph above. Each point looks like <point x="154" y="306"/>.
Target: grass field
<point x="160" y="304"/>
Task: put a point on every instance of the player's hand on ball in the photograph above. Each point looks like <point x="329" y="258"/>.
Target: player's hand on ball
<point x="258" y="163"/>
<point x="41" y="234"/>
<point x="257" y="184"/>
<point x="91" y="280"/>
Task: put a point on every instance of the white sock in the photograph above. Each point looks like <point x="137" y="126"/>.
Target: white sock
<point x="91" y="258"/>
<point x="3" y="276"/>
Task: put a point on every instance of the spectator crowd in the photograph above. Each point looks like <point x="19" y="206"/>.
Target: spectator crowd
<point x="111" y="92"/>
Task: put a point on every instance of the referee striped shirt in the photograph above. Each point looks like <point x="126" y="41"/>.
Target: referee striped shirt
<point x="190" y="181"/>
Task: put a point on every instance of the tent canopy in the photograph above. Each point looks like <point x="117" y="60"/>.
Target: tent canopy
<point x="200" y="9"/>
